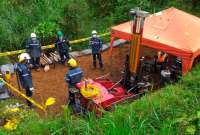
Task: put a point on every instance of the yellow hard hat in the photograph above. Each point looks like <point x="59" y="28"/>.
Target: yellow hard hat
<point x="72" y="62"/>
<point x="7" y="76"/>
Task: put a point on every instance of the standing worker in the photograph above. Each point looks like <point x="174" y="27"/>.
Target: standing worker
<point x="33" y="48"/>
<point x="63" y="46"/>
<point x="73" y="77"/>
<point x="25" y="76"/>
<point x="96" y="45"/>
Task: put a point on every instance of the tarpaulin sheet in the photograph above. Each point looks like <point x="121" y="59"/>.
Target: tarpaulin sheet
<point x="172" y="31"/>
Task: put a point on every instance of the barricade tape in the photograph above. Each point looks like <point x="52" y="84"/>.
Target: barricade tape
<point x="50" y="46"/>
<point x="24" y="96"/>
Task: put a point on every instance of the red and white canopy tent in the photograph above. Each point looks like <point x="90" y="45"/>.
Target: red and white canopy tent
<point x="172" y="31"/>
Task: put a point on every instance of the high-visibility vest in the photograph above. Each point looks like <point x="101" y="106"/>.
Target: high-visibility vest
<point x="161" y="58"/>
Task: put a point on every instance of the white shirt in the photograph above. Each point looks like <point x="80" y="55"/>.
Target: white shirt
<point x="165" y="73"/>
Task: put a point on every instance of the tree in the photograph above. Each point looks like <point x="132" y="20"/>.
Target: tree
<point x="102" y="8"/>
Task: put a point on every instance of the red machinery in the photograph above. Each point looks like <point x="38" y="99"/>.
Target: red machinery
<point x="131" y="86"/>
<point x="109" y="94"/>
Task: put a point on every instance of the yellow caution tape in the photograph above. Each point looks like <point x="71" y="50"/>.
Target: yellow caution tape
<point x="24" y="96"/>
<point x="49" y="46"/>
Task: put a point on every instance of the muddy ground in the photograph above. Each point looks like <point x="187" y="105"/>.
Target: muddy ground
<point x="52" y="84"/>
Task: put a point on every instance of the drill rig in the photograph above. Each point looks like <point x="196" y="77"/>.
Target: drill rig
<point x="133" y="72"/>
<point x="100" y="94"/>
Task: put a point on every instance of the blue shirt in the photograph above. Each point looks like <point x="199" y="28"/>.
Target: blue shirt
<point x="73" y="76"/>
<point x="62" y="45"/>
<point x="96" y="45"/>
<point x="33" y="47"/>
<point x="25" y="76"/>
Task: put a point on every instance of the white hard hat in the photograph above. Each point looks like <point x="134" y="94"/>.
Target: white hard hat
<point x="94" y="32"/>
<point x="33" y="35"/>
<point x="24" y="56"/>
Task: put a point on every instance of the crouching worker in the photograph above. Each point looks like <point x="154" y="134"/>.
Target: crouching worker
<point x="161" y="60"/>
<point x="73" y="77"/>
<point x="25" y="76"/>
<point x="165" y="76"/>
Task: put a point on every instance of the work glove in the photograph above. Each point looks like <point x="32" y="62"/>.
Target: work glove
<point x="31" y="89"/>
<point x="30" y="65"/>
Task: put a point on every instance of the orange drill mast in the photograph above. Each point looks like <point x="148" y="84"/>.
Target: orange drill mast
<point x="134" y="54"/>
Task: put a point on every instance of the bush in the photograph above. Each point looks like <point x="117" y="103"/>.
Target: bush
<point x="77" y="18"/>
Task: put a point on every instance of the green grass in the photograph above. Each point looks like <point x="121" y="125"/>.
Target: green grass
<point x="172" y="110"/>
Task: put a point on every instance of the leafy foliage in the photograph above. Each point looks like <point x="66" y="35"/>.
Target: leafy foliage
<point x="77" y="18"/>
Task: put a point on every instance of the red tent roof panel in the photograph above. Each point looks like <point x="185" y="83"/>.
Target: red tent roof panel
<point x="171" y="29"/>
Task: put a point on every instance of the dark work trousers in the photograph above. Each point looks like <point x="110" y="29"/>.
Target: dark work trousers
<point x="71" y="98"/>
<point x="36" y="62"/>
<point x="64" y="56"/>
<point x="98" y="55"/>
<point x="28" y="94"/>
<point x="73" y="102"/>
<point x="164" y="80"/>
<point x="161" y="64"/>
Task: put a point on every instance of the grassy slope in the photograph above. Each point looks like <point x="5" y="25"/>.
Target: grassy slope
<point x="172" y="110"/>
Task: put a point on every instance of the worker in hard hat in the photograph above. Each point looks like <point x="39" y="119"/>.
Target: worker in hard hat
<point x="96" y="46"/>
<point x="73" y="77"/>
<point x="33" y="48"/>
<point x="161" y="59"/>
<point x="177" y="69"/>
<point x="6" y="71"/>
<point x="4" y="93"/>
<point x="63" y="46"/>
<point x="25" y="76"/>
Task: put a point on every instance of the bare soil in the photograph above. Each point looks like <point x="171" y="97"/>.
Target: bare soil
<point x="52" y="84"/>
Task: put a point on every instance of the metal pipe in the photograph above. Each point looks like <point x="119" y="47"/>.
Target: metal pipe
<point x="115" y="84"/>
<point x="102" y="76"/>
